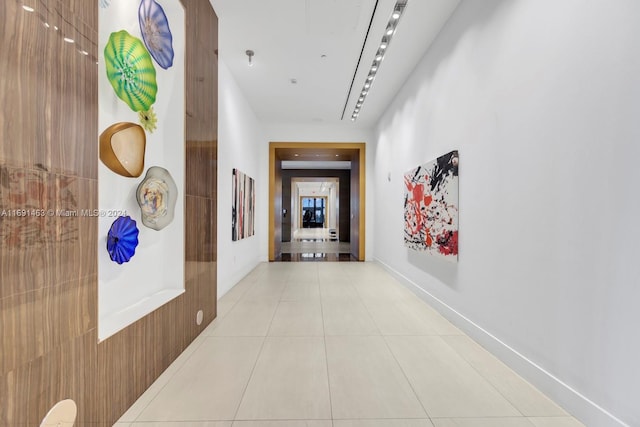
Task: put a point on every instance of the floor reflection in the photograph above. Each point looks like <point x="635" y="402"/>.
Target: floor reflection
<point x="316" y="256"/>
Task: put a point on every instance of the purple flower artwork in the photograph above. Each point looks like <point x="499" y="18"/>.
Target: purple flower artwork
<point x="156" y="33"/>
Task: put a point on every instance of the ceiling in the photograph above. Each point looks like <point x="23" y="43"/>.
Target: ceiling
<point x="314" y="187"/>
<point x="318" y="43"/>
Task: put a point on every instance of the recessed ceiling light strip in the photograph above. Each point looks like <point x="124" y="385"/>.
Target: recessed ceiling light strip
<point x="364" y="43"/>
<point x="389" y="31"/>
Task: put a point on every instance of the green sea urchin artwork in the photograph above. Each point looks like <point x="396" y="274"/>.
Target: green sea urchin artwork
<point x="148" y="120"/>
<point x="130" y="70"/>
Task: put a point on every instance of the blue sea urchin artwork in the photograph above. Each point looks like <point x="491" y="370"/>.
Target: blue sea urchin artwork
<point x="156" y="34"/>
<point x="122" y="239"/>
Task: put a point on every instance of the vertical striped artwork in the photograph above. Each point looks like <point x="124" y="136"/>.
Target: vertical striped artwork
<point x="431" y="207"/>
<point x="243" y="206"/>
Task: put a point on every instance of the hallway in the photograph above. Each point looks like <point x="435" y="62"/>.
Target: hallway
<point x="336" y="345"/>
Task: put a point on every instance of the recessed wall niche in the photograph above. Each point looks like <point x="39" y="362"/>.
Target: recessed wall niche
<point x="141" y="81"/>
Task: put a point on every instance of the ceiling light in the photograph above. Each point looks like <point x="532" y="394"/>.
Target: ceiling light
<point x="27" y="8"/>
<point x="46" y="24"/>
<point x="392" y="24"/>
<point x="250" y="54"/>
<point x="68" y="40"/>
<point x="296" y="155"/>
<point x="84" y="52"/>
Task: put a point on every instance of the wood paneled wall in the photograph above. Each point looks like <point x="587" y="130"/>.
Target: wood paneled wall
<point x="48" y="263"/>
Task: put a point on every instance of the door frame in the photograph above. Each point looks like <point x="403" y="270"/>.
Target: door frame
<point x="354" y="151"/>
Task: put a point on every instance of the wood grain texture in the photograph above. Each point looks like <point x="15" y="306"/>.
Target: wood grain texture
<point x="48" y="264"/>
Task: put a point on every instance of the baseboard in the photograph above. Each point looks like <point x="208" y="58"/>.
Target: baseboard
<point x="578" y="405"/>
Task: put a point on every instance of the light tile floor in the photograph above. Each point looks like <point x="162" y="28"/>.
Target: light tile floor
<point x="336" y="345"/>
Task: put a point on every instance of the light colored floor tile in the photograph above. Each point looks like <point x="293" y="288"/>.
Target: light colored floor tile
<point x="379" y="291"/>
<point x="482" y="422"/>
<point x="428" y="316"/>
<point x="247" y="318"/>
<point x="347" y="317"/>
<point x="264" y="292"/>
<point x="446" y="384"/>
<point x="338" y="290"/>
<point x="228" y="300"/>
<point x="289" y="382"/>
<point x="183" y="424"/>
<point x="121" y="424"/>
<point x="393" y="318"/>
<point x="289" y="423"/>
<point x="555" y="422"/>
<point x="520" y="393"/>
<point x="383" y="423"/>
<point x="301" y="291"/>
<point x="210" y="384"/>
<point x="297" y="319"/>
<point x="143" y="401"/>
<point x="366" y="381"/>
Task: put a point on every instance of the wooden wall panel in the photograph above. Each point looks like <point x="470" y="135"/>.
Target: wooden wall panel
<point x="48" y="264"/>
<point x="48" y="161"/>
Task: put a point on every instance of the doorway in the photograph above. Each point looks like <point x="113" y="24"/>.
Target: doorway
<point x="352" y="153"/>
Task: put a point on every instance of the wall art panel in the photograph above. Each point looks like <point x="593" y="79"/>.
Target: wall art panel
<point x="431" y="207"/>
<point x="141" y="96"/>
<point x="244" y="200"/>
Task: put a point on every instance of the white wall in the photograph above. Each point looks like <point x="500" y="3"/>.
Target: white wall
<point x="349" y="132"/>
<point x="241" y="145"/>
<point x="542" y="99"/>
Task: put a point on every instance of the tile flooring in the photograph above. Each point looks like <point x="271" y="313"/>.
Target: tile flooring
<point x="336" y="345"/>
<point x="314" y="244"/>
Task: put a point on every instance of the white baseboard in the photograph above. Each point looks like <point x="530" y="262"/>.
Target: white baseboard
<point x="578" y="405"/>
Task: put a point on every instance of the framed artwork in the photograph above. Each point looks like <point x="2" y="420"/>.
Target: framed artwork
<point x="243" y="206"/>
<point x="431" y="207"/>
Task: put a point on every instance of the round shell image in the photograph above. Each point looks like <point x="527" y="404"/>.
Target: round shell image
<point x="156" y="34"/>
<point x="157" y="195"/>
<point x="130" y="71"/>
<point x="122" y="239"/>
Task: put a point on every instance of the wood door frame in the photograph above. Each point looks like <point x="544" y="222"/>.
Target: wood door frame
<point x="278" y="150"/>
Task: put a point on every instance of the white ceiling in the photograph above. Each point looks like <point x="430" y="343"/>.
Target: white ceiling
<point x="289" y="38"/>
<point x="311" y="187"/>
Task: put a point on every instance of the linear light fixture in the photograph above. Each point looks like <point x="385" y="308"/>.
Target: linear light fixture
<point x="389" y="31"/>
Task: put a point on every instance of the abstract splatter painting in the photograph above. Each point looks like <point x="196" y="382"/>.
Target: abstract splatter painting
<point x="244" y="201"/>
<point x="431" y="207"/>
